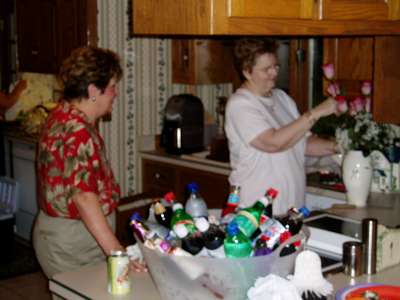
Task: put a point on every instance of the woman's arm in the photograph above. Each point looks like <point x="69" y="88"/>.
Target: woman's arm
<point x="92" y="216"/>
<point x="317" y="146"/>
<point x="6" y="101"/>
<point x="277" y="140"/>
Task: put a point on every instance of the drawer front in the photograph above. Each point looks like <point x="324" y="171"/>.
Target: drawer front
<point x="158" y="176"/>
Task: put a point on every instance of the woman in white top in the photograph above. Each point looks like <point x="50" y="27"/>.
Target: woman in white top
<point x="268" y="139"/>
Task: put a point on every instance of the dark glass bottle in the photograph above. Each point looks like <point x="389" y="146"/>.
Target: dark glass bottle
<point x="213" y="235"/>
<point x="191" y="242"/>
<point x="293" y="220"/>
<point x="162" y="215"/>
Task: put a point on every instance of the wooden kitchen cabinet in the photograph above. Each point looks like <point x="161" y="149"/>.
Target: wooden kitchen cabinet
<point x="48" y="30"/>
<point x="368" y="58"/>
<point x="161" y="177"/>
<point x="202" y="61"/>
<point x="258" y="17"/>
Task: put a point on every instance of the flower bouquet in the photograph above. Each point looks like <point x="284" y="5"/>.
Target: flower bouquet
<point x="357" y="131"/>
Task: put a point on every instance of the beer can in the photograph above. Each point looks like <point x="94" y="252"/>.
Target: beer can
<point x="118" y="273"/>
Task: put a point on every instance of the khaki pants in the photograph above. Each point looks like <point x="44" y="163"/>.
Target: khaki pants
<point x="65" y="244"/>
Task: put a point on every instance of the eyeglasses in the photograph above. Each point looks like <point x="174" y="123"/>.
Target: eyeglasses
<point x="269" y="69"/>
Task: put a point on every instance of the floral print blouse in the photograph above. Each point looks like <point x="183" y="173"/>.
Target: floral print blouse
<point x="71" y="160"/>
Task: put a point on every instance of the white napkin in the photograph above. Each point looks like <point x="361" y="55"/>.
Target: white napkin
<point x="273" y="287"/>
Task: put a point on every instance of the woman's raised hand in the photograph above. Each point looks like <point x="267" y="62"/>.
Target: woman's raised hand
<point x="325" y="108"/>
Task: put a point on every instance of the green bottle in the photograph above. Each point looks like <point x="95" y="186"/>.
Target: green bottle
<point x="179" y="216"/>
<point x="236" y="244"/>
<point x="248" y="219"/>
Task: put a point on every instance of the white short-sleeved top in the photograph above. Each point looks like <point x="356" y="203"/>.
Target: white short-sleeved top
<point x="247" y="116"/>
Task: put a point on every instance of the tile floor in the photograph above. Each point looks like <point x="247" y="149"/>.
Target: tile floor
<point x="33" y="286"/>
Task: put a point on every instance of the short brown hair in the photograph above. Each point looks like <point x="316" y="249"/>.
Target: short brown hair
<point x="248" y="50"/>
<point x="88" y="65"/>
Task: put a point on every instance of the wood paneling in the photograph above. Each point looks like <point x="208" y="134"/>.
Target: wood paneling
<point x="386" y="104"/>
<point x="353" y="62"/>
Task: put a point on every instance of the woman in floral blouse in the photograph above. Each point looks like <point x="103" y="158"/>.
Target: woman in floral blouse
<point x="77" y="190"/>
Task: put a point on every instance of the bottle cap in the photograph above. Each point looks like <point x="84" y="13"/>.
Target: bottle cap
<point x="177" y="206"/>
<point x="181" y="231"/>
<point x="202" y="224"/>
<point x="272" y="193"/>
<point x="159" y="208"/>
<point x="193" y="187"/>
<point x="169" y="197"/>
<point x="232" y="228"/>
<point x="136" y="216"/>
<point x="304" y="211"/>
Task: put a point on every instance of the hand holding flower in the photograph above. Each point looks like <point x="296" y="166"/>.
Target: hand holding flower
<point x="325" y="108"/>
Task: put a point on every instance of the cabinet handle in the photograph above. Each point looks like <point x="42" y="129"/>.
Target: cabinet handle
<point x="34" y="52"/>
<point x="157" y="176"/>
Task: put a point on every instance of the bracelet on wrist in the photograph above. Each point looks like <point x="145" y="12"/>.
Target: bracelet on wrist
<point x="310" y="118"/>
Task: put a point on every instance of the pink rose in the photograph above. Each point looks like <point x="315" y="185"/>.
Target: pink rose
<point x="367" y="104"/>
<point x="333" y="89"/>
<point x="356" y="105"/>
<point x="366" y="88"/>
<point x="329" y="72"/>
<point x="341" y="104"/>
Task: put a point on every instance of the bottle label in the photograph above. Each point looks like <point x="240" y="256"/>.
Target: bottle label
<point x="247" y="222"/>
<point x="233" y="199"/>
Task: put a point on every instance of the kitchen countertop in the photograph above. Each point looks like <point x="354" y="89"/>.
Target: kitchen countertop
<point x="91" y="283"/>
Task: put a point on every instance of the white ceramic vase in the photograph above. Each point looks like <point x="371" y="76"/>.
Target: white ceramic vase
<point x="357" y="175"/>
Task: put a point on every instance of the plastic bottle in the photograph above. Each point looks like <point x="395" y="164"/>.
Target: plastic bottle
<point x="213" y="236"/>
<point x="195" y="205"/>
<point x="293" y="220"/>
<point x="236" y="244"/>
<point x="233" y="201"/>
<point x="162" y="215"/>
<point x="179" y="216"/>
<point x="248" y="219"/>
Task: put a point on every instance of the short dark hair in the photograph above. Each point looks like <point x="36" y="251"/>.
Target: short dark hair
<point x="248" y="50"/>
<point x="85" y="66"/>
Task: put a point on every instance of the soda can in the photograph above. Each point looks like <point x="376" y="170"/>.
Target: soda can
<point x="118" y="273"/>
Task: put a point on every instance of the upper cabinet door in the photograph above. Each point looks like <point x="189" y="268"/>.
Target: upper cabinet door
<point x="360" y="10"/>
<point x="266" y="17"/>
<point x="287" y="9"/>
<point x="172" y="16"/>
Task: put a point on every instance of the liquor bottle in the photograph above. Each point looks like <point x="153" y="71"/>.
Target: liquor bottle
<point x="233" y="201"/>
<point x="195" y="205"/>
<point x="146" y="228"/>
<point x="179" y="216"/>
<point x="213" y="236"/>
<point x="248" y="219"/>
<point x="293" y="220"/>
<point x="236" y="244"/>
<point x="162" y="215"/>
<point x="191" y="242"/>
